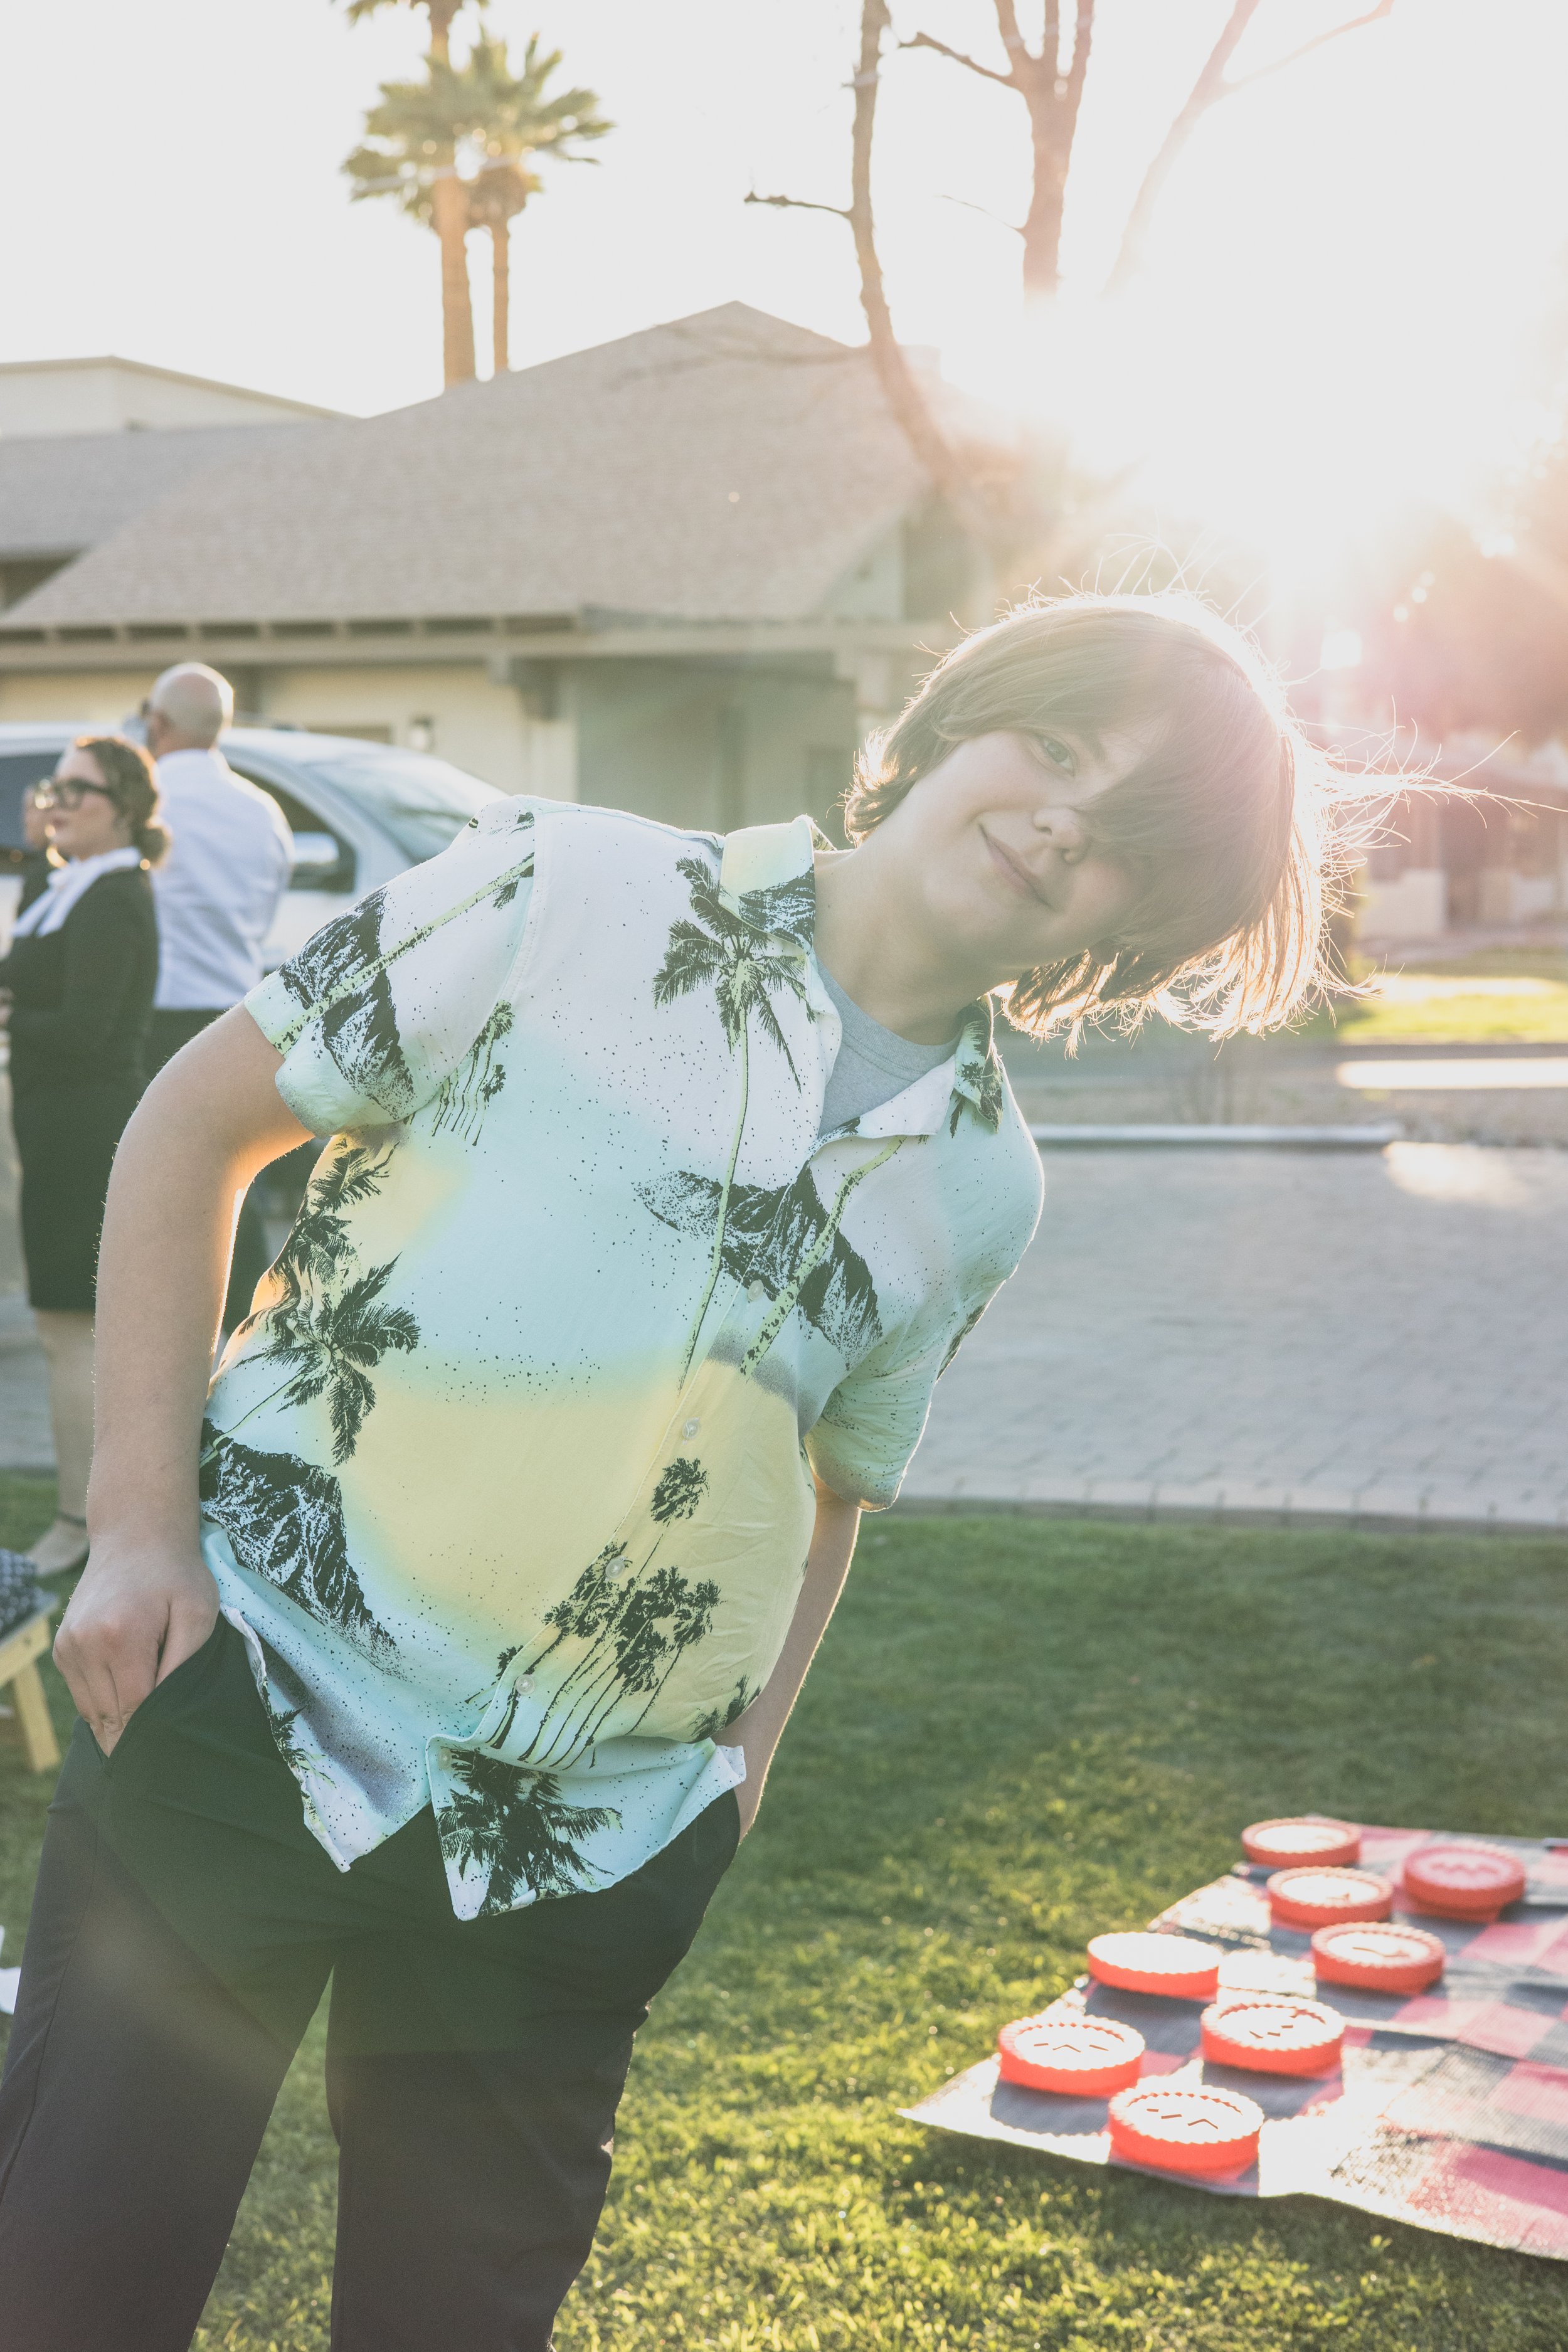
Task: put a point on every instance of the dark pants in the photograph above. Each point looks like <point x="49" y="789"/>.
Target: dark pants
<point x="184" y="1929"/>
<point x="168" y="1033"/>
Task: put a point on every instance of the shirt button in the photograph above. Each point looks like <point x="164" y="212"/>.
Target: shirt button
<point x="527" y="1683"/>
<point x="689" y="1428"/>
<point x="618" y="1567"/>
<point x="755" y="1292"/>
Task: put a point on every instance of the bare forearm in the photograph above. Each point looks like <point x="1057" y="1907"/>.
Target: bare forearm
<point x="146" y="1601"/>
<point x="758" y="1731"/>
<point x="168" y="1234"/>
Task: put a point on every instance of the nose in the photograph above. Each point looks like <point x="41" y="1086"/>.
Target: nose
<point x="1063" y="828"/>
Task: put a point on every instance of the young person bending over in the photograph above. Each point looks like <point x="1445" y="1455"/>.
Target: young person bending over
<point x="445" y="1643"/>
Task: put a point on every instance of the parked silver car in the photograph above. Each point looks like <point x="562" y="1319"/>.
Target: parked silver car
<point x="359" y="813"/>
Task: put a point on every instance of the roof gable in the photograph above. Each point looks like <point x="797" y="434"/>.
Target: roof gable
<point x="724" y="466"/>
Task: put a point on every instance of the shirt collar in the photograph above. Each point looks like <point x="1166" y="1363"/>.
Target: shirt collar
<point x="767" y="878"/>
<point x="192" y="761"/>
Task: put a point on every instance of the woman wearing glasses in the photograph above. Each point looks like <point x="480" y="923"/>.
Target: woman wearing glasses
<point x="76" y="993"/>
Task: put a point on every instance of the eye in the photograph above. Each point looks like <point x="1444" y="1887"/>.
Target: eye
<point x="1059" y="755"/>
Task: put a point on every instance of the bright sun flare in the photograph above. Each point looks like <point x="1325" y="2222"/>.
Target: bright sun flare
<point x="1333" y="326"/>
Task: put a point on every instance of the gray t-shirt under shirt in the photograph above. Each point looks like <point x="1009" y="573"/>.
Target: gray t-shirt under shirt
<point x="874" y="1064"/>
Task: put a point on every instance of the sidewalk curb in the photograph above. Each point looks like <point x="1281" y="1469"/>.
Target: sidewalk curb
<point x="1188" y="1137"/>
<point x="1150" y="1512"/>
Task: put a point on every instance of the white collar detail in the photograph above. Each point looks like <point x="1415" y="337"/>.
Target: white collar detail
<point x="66" y="885"/>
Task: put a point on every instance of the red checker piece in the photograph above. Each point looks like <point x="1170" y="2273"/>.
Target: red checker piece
<point x="1142" y="1961"/>
<point x="1183" y="2129"/>
<point x="1273" y="2036"/>
<point x="1463" y="1882"/>
<point x="1281" y="1844"/>
<point x="1378" y="1955"/>
<point x="1088" y="2057"/>
<point x="1321" y="1898"/>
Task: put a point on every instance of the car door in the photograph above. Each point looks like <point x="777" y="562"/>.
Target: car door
<point x="339" y="855"/>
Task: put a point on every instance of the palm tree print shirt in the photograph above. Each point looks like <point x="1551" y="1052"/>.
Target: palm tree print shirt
<point x="508" y="1480"/>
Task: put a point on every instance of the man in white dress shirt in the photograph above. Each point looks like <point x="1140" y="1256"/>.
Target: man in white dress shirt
<point x="216" y="892"/>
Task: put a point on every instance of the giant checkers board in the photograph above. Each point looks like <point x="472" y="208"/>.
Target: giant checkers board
<point x="1451" y="2112"/>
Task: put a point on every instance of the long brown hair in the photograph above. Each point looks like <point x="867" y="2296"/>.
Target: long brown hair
<point x="132" y="784"/>
<point x="1241" y="842"/>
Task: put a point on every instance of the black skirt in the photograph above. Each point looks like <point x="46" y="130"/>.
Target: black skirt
<point x="66" y="1138"/>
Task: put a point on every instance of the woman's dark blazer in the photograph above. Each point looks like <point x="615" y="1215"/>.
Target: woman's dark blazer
<point x="82" y="1000"/>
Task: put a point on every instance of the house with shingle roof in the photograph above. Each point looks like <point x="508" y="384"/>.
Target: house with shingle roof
<point x="681" y="572"/>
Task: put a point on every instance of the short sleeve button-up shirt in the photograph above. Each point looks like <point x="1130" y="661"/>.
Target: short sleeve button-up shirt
<point x="508" y="1481"/>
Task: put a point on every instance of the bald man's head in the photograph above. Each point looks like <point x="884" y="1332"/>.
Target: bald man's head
<point x="188" y="708"/>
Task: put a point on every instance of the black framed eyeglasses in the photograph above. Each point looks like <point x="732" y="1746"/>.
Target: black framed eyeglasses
<point x="65" y="792"/>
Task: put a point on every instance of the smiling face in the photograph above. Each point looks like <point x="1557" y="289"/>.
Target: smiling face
<point x="999" y="838"/>
<point x="96" y="823"/>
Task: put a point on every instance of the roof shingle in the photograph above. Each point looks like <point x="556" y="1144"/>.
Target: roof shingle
<point x="724" y="466"/>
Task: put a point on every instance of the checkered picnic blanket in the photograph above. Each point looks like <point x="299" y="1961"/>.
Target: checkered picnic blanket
<point x="1451" y="2108"/>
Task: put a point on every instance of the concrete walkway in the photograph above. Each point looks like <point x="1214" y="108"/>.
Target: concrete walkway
<point x="1256" y="1332"/>
<point x="1375" y="1335"/>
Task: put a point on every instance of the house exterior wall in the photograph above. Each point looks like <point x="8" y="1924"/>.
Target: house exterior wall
<point x="694" y="745"/>
<point x="455" y="710"/>
<point x="110" y="396"/>
<point x="687" y="741"/>
<point x="96" y="699"/>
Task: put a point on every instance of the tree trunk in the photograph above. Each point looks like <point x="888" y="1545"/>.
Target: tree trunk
<point x="1043" y="222"/>
<point x="500" y="313"/>
<point x="451" y="206"/>
<point x="441" y="13"/>
<point x="948" y="475"/>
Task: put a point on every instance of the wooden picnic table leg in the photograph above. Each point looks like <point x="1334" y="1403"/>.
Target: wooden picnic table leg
<point x="33" y="1715"/>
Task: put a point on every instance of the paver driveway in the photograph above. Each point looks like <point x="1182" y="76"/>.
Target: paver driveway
<point x="1384" y="1333"/>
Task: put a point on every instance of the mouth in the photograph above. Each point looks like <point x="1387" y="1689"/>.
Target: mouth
<point x="1014" y="870"/>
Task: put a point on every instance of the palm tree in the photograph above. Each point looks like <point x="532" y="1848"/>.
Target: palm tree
<point x="658" y="1619"/>
<point x="512" y="1824"/>
<point x="448" y="211"/>
<point x="340" y="978"/>
<point x="619" y="1617"/>
<point x="464" y="1097"/>
<point x="410" y="154"/>
<point x="497" y="194"/>
<point x="745" y="950"/>
<point x="284" y="1520"/>
<point x="335" y="1336"/>
<point x="512" y="117"/>
<point x="720" y="1718"/>
<point x="679" y="1494"/>
<point x="318" y="1246"/>
<point x="770" y="1237"/>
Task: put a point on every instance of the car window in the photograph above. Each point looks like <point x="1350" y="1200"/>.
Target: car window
<point x="324" y="860"/>
<point x="18" y="771"/>
<point x="423" y="803"/>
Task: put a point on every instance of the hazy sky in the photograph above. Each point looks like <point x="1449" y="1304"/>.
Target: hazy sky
<point x="1345" y="259"/>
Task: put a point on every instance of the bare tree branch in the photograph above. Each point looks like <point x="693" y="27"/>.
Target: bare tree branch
<point x="1007" y="25"/>
<point x="1052" y="99"/>
<point x="1321" y="40"/>
<point x="926" y="41"/>
<point x="1209" y="89"/>
<point x="942" y="462"/>
<point x="799" y="204"/>
<point x="1083" y="42"/>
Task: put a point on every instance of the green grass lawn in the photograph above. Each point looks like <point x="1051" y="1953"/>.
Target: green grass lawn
<point x="1019" y="1732"/>
<point x="1499" y="996"/>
